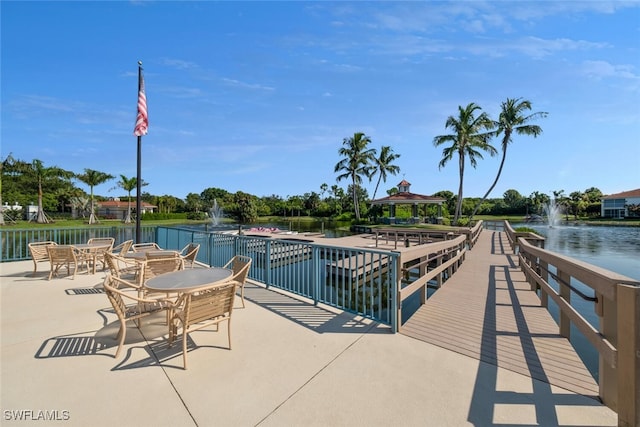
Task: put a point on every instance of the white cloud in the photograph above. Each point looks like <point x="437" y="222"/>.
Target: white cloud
<point x="604" y="69"/>
<point x="244" y="85"/>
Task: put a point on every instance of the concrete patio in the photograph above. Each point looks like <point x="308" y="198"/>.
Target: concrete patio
<point x="292" y="364"/>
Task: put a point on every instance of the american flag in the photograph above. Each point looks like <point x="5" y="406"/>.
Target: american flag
<point x="142" y="120"/>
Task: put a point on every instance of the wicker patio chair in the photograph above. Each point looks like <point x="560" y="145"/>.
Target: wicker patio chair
<point x="128" y="307"/>
<point x="123" y="268"/>
<point x="102" y="241"/>
<point x="141" y="247"/>
<point x="63" y="256"/>
<point x="38" y="251"/>
<point x="202" y="308"/>
<point x="122" y="248"/>
<point x="189" y="253"/>
<point x="240" y="265"/>
<point x="155" y="266"/>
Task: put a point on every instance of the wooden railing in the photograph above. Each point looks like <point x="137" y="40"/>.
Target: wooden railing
<point x="617" y="305"/>
<point x="444" y="258"/>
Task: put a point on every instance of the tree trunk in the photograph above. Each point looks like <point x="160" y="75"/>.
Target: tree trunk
<point x="127" y="219"/>
<point x="458" y="211"/>
<point x="504" y="156"/>
<point x="41" y="218"/>
<point x="92" y="218"/>
<point x="355" y="200"/>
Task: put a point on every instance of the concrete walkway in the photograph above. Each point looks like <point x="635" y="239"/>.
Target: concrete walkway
<point x="292" y="364"/>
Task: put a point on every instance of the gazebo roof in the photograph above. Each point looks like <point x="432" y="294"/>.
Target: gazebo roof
<point x="407" y="198"/>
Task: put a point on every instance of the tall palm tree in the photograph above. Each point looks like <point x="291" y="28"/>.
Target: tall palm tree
<point x="92" y="178"/>
<point x="467" y="139"/>
<point x="128" y="185"/>
<point x="42" y="174"/>
<point x="356" y="163"/>
<point x="382" y="166"/>
<point x="513" y="119"/>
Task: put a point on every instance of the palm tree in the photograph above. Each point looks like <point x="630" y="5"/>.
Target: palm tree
<point x="128" y="185"/>
<point x="466" y="140"/>
<point x="512" y="119"/>
<point x="356" y="163"/>
<point x="92" y="178"/>
<point x="382" y="166"/>
<point x="80" y="204"/>
<point x="42" y="175"/>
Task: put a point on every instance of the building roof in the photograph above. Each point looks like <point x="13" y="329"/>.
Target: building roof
<point x="406" y="197"/>
<point x="624" y="195"/>
<point x="121" y="204"/>
<point x="409" y="198"/>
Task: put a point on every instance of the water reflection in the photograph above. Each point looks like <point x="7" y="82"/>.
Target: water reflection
<point x="614" y="248"/>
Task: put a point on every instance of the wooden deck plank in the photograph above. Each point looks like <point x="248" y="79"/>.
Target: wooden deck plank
<point x="487" y="311"/>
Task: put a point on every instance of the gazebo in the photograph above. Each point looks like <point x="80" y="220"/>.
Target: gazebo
<point x="405" y="197"/>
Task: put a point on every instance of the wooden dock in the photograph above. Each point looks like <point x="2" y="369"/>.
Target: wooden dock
<point x="359" y="266"/>
<point x="487" y="311"/>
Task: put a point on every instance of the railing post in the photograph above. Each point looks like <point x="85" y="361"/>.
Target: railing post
<point x="315" y="285"/>
<point x="628" y="355"/>
<point x="565" y="293"/>
<point x="544" y="273"/>
<point x="608" y="375"/>
<point x="397" y="281"/>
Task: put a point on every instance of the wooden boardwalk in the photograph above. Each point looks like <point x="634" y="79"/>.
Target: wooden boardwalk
<point x="487" y="311"/>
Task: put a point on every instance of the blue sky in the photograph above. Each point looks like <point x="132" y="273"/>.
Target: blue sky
<point x="258" y="96"/>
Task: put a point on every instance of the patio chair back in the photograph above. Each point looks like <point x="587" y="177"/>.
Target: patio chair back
<point x="161" y="254"/>
<point x="39" y="253"/>
<point x="120" y="266"/>
<point x="202" y="308"/>
<point x="122" y="248"/>
<point x="149" y="246"/>
<point x="102" y="241"/>
<point x="189" y="253"/>
<point x="156" y="266"/>
<point x="240" y="265"/>
<point x="62" y="256"/>
<point x="100" y="254"/>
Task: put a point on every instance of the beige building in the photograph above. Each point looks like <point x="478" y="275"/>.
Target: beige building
<point x="117" y="209"/>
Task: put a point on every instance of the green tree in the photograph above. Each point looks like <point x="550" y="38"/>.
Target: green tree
<point x="593" y="195"/>
<point x="128" y="185"/>
<point x="355" y="164"/>
<point x="6" y="162"/>
<point x="193" y="203"/>
<point x="42" y="176"/>
<point x="245" y="207"/>
<point x="467" y="140"/>
<point x="577" y="202"/>
<point x="92" y="178"/>
<point x="513" y="119"/>
<point x="382" y="165"/>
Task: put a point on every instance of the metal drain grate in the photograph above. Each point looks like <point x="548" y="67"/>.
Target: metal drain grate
<point x="85" y="291"/>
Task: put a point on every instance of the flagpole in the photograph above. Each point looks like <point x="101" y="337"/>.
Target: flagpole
<point x="139" y="169"/>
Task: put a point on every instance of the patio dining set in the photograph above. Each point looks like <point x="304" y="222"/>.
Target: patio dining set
<point x="144" y="279"/>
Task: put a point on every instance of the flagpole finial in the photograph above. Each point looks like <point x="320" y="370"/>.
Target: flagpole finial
<point x="140" y="63"/>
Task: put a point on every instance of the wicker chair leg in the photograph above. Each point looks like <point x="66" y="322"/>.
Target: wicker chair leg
<point x="184" y="349"/>
<point x="122" y="334"/>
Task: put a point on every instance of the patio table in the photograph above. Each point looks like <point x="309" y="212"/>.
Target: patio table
<point x="92" y="251"/>
<point x="188" y="279"/>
